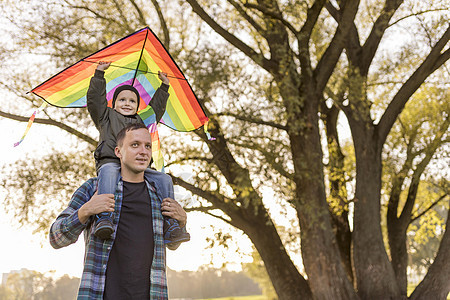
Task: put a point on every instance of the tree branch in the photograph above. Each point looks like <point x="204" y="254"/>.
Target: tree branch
<point x="431" y="149"/>
<point x="433" y="61"/>
<point x="381" y="24"/>
<point x="163" y="23"/>
<point x="275" y="15"/>
<point x="435" y="283"/>
<point x="417" y="14"/>
<point x="329" y="59"/>
<point x="208" y="160"/>
<point x="203" y="209"/>
<point x="311" y="19"/>
<point x="246" y="16"/>
<point x="252" y="120"/>
<point x="428" y="209"/>
<point x="60" y="125"/>
<point x="252" y="54"/>
<point x="139" y="11"/>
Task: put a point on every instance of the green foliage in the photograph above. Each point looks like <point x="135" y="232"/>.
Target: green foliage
<point x="36" y="189"/>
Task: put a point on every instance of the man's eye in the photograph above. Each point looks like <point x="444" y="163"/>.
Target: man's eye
<point x="148" y="146"/>
<point x="134" y="144"/>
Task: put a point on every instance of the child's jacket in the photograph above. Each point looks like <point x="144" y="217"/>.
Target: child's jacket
<point x="109" y="122"/>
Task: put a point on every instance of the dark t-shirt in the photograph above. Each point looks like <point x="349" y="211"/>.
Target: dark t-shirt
<point x="130" y="260"/>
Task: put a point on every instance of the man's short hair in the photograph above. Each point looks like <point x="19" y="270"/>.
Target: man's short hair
<point x="129" y="127"/>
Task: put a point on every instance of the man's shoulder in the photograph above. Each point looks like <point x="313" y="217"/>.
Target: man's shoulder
<point x="89" y="185"/>
<point x="157" y="176"/>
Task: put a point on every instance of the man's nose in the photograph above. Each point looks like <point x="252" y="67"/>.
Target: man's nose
<point x="144" y="149"/>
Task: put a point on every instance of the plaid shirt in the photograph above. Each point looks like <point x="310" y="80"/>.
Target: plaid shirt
<point x="67" y="228"/>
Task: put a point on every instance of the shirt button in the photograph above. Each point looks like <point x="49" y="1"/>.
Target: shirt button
<point x="104" y="266"/>
<point x="109" y="248"/>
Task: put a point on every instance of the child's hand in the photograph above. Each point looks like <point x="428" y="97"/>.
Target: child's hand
<point x="103" y="65"/>
<point x="163" y="77"/>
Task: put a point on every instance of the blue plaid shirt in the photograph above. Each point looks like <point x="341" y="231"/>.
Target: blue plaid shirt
<point x="67" y="228"/>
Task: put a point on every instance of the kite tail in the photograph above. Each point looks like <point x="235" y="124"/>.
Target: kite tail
<point x="30" y="122"/>
<point x="156" y="148"/>
<point x="208" y="135"/>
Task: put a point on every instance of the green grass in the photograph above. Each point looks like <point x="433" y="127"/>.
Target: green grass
<point x="239" y="298"/>
<point x="412" y="287"/>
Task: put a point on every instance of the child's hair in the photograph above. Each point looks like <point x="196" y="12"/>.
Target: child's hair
<point x="129" y="127"/>
<point x="123" y="88"/>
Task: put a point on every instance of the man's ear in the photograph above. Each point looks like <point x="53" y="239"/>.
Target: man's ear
<point x="117" y="152"/>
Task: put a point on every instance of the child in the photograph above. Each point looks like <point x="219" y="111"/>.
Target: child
<point x="109" y="121"/>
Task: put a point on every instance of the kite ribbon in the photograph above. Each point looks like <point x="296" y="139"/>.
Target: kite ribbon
<point x="30" y="122"/>
<point x="156" y="148"/>
<point x="208" y="135"/>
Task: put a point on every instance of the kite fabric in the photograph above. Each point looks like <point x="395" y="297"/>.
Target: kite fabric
<point x="135" y="60"/>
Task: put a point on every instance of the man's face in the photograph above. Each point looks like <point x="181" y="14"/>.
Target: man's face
<point x="136" y="151"/>
<point x="126" y="103"/>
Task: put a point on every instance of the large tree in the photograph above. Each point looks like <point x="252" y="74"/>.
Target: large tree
<point x="267" y="73"/>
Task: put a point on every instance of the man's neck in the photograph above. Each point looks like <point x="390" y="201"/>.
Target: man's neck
<point x="132" y="177"/>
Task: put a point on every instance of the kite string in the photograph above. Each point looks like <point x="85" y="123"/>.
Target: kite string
<point x="30" y="122"/>
<point x="156" y="148"/>
<point x="132" y="69"/>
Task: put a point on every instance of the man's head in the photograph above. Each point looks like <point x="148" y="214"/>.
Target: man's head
<point x="126" y="100"/>
<point x="134" y="149"/>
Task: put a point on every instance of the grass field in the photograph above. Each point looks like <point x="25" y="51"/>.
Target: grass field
<point x="260" y="297"/>
<point x="410" y="289"/>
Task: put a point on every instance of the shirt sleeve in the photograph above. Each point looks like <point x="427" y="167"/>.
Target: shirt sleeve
<point x="96" y="97"/>
<point x="67" y="227"/>
<point x="159" y="101"/>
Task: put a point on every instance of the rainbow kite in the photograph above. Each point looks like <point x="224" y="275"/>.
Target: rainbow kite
<point x="135" y="60"/>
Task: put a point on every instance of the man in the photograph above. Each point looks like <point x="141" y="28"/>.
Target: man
<point x="130" y="265"/>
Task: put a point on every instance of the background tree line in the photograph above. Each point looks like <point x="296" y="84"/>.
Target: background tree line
<point x="204" y="283"/>
<point x="277" y="78"/>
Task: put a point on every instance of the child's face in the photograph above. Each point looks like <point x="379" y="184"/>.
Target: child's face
<point x="126" y="103"/>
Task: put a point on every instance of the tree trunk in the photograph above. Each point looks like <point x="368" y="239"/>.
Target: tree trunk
<point x="252" y="217"/>
<point x="286" y="279"/>
<point x="436" y="284"/>
<point x="321" y="258"/>
<point x="374" y="273"/>
<point x="399" y="253"/>
<point x="338" y="192"/>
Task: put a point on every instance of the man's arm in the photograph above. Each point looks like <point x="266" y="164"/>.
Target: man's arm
<point x="73" y="220"/>
<point x="67" y="226"/>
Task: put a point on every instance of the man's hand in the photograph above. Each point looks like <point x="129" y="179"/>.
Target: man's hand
<point x="171" y="208"/>
<point x="96" y="205"/>
<point x="163" y="77"/>
<point x="103" y="65"/>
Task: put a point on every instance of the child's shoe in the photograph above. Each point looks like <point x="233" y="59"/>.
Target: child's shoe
<point x="173" y="233"/>
<point x="104" y="227"/>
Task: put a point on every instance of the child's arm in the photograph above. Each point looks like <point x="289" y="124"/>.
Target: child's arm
<point x="96" y="94"/>
<point x="159" y="100"/>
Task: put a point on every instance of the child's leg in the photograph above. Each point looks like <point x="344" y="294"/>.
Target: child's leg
<point x="108" y="174"/>
<point x="164" y="188"/>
